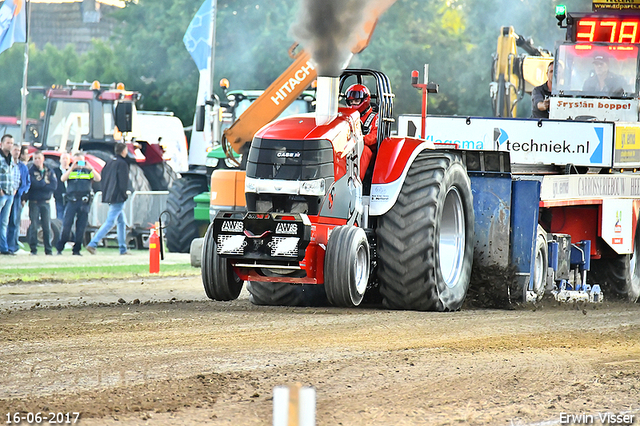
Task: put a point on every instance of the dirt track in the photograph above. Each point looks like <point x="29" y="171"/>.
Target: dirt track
<point x="191" y="361"/>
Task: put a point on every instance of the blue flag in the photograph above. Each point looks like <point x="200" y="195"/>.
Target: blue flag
<point x="197" y="39"/>
<point x="13" y="23"/>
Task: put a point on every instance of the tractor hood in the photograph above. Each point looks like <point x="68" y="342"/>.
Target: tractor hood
<point x="342" y="131"/>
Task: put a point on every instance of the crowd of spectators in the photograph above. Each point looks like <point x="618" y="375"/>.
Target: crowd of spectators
<point x="26" y="178"/>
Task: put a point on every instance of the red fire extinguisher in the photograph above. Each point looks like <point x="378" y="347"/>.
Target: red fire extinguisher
<point x="154" y="251"/>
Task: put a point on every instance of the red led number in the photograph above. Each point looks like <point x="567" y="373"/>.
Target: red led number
<point x="608" y="30"/>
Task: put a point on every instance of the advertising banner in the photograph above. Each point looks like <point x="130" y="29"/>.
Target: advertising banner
<point x="528" y="141"/>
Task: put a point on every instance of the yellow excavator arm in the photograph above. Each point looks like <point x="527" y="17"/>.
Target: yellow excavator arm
<point x="512" y="74"/>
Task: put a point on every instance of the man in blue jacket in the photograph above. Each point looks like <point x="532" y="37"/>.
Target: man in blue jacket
<point x="23" y="182"/>
<point x="115" y="183"/>
<point x="43" y="183"/>
<point x="7" y="189"/>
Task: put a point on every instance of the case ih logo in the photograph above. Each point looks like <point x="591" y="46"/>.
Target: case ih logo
<point x="288" y="154"/>
<point x="287" y="228"/>
<point x="232" y="226"/>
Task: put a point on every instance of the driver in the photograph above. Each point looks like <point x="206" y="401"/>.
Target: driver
<point x="602" y="80"/>
<point x="358" y="97"/>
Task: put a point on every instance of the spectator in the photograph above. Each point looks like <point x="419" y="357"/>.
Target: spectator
<point x="115" y="182"/>
<point x="7" y="189"/>
<point x="79" y="178"/>
<point x="43" y="183"/>
<point x="20" y="156"/>
<point x="62" y="187"/>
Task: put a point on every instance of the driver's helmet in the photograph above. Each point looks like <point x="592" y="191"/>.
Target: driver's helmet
<point x="358" y="97"/>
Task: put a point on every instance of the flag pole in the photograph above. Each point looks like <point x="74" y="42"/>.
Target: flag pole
<point x="23" y="107"/>
<point x="212" y="37"/>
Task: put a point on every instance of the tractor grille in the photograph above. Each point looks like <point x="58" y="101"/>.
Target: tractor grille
<point x="290" y="160"/>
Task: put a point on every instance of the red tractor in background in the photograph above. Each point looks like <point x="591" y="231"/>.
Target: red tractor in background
<point x="404" y="233"/>
<point x="91" y="117"/>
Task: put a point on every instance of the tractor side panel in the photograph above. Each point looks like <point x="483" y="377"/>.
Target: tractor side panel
<point x="492" y="210"/>
<point x="524" y="223"/>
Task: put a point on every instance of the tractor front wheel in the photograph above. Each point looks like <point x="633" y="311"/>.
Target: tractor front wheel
<point x="346" y="266"/>
<point x="219" y="279"/>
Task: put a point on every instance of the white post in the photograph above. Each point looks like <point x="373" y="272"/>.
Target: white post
<point x="294" y="405"/>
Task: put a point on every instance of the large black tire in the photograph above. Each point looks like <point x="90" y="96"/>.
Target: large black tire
<point x="620" y="276"/>
<point x="182" y="226"/>
<point x="285" y="294"/>
<point x="346" y="266"/>
<point x="160" y="176"/>
<point x="55" y="229"/>
<point x="425" y="241"/>
<point x="137" y="179"/>
<point x="541" y="264"/>
<point x="219" y="279"/>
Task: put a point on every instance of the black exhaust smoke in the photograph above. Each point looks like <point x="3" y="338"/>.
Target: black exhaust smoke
<point x="329" y="29"/>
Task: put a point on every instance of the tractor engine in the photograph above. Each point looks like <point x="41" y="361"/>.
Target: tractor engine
<point x="297" y="166"/>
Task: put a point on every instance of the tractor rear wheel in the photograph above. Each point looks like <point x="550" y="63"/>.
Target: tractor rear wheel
<point x="621" y="274"/>
<point x="285" y="294"/>
<point x="183" y="227"/>
<point x="219" y="279"/>
<point x="346" y="266"/>
<point x="160" y="176"/>
<point x="425" y="241"/>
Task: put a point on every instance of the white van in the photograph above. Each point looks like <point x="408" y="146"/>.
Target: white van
<point x="157" y="127"/>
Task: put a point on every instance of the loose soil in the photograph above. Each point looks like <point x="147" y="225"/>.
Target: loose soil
<point x="155" y="351"/>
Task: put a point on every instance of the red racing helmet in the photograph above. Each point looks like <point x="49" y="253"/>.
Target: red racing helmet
<point x="358" y="97"/>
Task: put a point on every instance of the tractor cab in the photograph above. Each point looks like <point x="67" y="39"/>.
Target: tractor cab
<point x="596" y="69"/>
<point x="88" y="113"/>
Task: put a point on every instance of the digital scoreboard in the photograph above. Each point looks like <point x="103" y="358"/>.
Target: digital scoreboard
<point x="606" y="29"/>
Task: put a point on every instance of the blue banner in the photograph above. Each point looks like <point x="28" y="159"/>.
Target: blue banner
<point x="13" y="23"/>
<point x="197" y="39"/>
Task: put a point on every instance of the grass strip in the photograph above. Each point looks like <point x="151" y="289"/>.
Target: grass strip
<point x="74" y="273"/>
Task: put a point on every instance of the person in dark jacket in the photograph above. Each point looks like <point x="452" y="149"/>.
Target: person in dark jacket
<point x="43" y="183"/>
<point x="115" y="183"/>
<point x="79" y="178"/>
<point x="65" y="158"/>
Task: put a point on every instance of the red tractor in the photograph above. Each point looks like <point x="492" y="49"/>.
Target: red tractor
<point x="403" y="234"/>
<point x="92" y="117"/>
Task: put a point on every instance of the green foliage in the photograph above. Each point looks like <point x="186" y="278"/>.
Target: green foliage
<point x="455" y="37"/>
